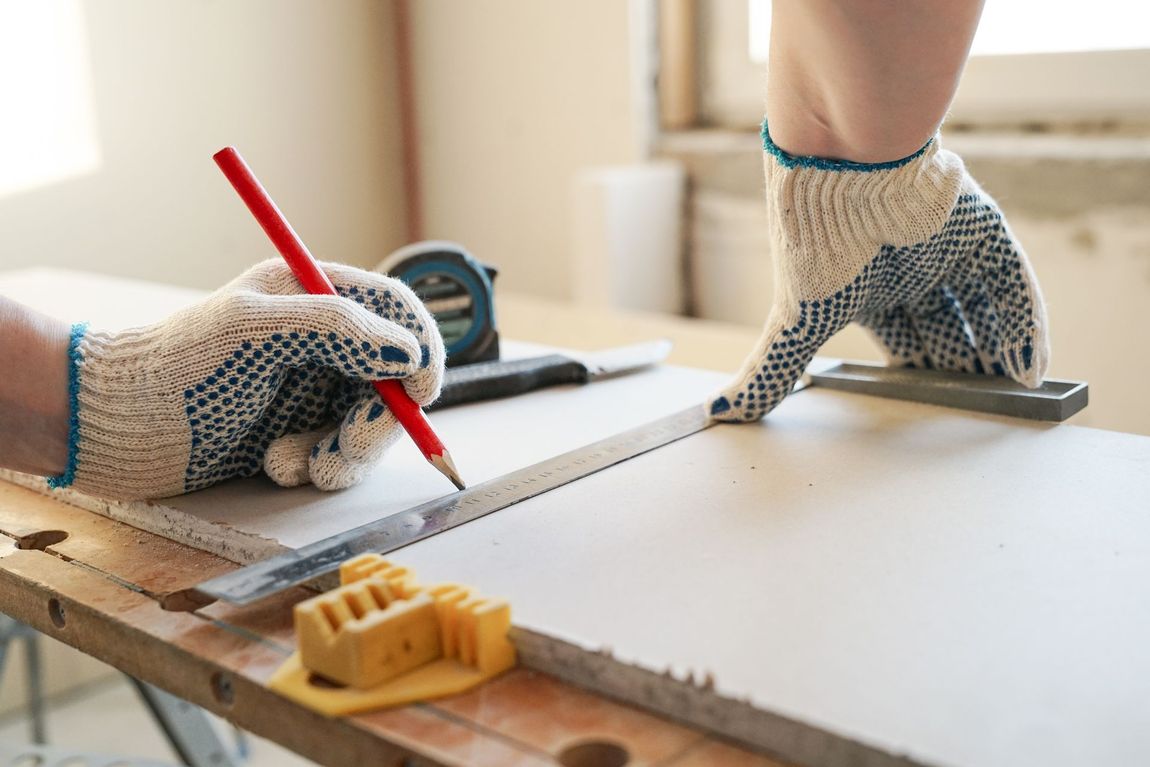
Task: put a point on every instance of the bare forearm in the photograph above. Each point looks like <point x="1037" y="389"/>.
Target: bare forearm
<point x="864" y="80"/>
<point x="33" y="390"/>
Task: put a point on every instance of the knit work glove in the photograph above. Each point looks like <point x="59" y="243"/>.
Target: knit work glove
<point x="913" y="250"/>
<point x="257" y="374"/>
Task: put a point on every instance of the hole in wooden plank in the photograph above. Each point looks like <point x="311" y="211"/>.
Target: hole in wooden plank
<point x="222" y="688"/>
<point x="56" y="612"/>
<point x="41" y="539"/>
<point x="594" y="753"/>
<point x="185" y="601"/>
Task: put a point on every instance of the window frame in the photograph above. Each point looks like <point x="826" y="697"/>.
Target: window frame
<point x="706" y="73"/>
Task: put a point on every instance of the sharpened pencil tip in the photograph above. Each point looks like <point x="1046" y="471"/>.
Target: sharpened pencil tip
<point x="447" y="468"/>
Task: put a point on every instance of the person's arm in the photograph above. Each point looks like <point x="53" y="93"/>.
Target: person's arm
<point x="864" y="80"/>
<point x="256" y="376"/>
<point x="33" y="390"/>
<point x="870" y="219"/>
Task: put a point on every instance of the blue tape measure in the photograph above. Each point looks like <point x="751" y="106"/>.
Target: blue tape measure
<point x="457" y="290"/>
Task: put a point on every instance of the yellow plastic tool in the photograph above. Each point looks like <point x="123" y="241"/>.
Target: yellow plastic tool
<point x="381" y="640"/>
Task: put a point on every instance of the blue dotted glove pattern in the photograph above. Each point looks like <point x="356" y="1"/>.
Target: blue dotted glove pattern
<point x="293" y="379"/>
<point x="959" y="301"/>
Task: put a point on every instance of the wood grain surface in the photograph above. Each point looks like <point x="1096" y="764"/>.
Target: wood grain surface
<point x="101" y="587"/>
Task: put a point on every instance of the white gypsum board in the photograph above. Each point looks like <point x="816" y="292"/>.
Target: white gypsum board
<point x="103" y="301"/>
<point x="486" y="440"/>
<point x="962" y="589"/>
<point x="250" y="519"/>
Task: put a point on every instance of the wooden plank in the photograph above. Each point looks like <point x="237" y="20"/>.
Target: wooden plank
<point x="539" y="710"/>
<point x="210" y="667"/>
<point x="711" y="752"/>
<point x="100" y="590"/>
<point x="40" y="522"/>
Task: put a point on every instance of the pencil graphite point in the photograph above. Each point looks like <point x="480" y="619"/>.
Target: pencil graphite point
<point x="447" y="468"/>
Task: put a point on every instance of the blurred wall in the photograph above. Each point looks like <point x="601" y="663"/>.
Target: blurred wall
<point x="306" y="90"/>
<point x="512" y="98"/>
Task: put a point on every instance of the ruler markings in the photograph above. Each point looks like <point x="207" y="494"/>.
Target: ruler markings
<point x="403" y="528"/>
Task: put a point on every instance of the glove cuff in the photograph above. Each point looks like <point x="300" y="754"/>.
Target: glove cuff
<point x="830" y="217"/>
<point x="69" y="475"/>
<point x="120" y="444"/>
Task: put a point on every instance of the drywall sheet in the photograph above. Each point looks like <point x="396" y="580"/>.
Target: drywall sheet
<point x="959" y="589"/>
<point x="853" y="581"/>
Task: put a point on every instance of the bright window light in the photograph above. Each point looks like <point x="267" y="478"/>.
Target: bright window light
<point x="759" y="25"/>
<point x="1059" y="26"/>
<point x="1023" y="26"/>
<point x="48" y="130"/>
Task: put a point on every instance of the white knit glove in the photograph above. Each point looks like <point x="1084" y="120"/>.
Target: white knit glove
<point x="913" y="250"/>
<point x="259" y="373"/>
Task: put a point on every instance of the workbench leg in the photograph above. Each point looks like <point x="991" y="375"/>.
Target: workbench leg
<point x="188" y="729"/>
<point x="35" y="687"/>
<point x="10" y="631"/>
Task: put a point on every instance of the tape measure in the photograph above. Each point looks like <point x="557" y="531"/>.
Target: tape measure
<point x="457" y="290"/>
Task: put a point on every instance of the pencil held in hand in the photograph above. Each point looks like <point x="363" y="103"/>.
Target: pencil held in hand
<point x="313" y="279"/>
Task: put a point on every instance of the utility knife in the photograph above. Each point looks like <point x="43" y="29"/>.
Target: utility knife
<point x="507" y="378"/>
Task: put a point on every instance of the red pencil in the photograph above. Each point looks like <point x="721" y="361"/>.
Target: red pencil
<point x="307" y="271"/>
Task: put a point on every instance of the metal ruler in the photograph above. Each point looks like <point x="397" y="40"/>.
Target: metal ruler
<point x="271" y="576"/>
<point x="1052" y="401"/>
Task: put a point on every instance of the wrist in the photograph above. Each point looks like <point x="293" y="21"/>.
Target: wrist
<point x="130" y="436"/>
<point x="34" y="398"/>
<point x="857" y="206"/>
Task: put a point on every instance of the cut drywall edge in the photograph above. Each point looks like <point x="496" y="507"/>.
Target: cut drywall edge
<point x="694" y="700"/>
<point x="154" y="517"/>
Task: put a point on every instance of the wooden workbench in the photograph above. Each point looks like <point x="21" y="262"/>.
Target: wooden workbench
<point x="853" y="581"/>
<point x="102" y="587"/>
<point x="119" y="594"/>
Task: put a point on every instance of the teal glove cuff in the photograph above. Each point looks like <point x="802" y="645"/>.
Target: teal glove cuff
<point x="69" y="475"/>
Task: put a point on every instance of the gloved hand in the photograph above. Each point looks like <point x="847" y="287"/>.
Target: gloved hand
<point x="913" y="250"/>
<point x="259" y="373"/>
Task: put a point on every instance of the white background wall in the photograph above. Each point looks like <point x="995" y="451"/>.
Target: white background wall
<point x="513" y="97"/>
<point x="306" y="90"/>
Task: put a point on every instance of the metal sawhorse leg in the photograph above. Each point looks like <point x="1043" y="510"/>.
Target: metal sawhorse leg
<point x="187" y="727"/>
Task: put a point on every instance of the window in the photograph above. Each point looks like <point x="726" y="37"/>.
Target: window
<point x="1031" y="63"/>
